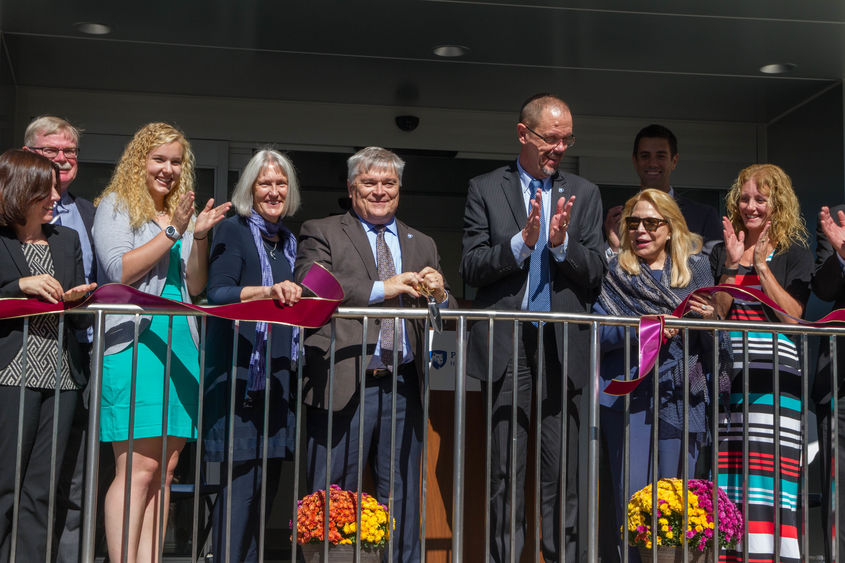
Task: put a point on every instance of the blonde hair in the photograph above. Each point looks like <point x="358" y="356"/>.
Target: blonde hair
<point x="128" y="182"/>
<point x="787" y="222"/>
<point x="681" y="244"/>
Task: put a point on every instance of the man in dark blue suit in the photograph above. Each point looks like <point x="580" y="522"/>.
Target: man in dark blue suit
<point x="532" y="241"/>
<point x="655" y="157"/>
<point x="58" y="140"/>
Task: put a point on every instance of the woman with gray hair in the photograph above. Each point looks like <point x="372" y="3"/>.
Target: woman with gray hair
<point x="252" y="257"/>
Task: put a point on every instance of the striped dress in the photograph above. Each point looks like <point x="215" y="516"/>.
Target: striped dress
<point x="761" y="434"/>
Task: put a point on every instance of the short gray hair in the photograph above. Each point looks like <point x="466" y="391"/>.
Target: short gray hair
<point x="47" y="125"/>
<point x="242" y="196"/>
<point x="373" y="158"/>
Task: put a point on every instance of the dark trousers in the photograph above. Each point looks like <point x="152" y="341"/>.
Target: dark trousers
<point x="376" y="419"/>
<point x="68" y="532"/>
<point x="246" y="509"/>
<point x="641" y="455"/>
<point x="829" y="496"/>
<point x="550" y="419"/>
<point x="39" y="410"/>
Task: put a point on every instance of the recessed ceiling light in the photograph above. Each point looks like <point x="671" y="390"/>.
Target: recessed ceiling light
<point x="778" y="68"/>
<point x="92" y="28"/>
<point x="450" y="50"/>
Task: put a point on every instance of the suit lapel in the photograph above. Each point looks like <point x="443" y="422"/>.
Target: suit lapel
<point x="62" y="260"/>
<point x="558" y="191"/>
<point x="407" y="244"/>
<point x="512" y="190"/>
<point x="354" y="229"/>
<point x="13" y="247"/>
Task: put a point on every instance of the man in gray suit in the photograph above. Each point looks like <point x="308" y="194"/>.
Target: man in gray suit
<point x="58" y="140"/>
<point x="379" y="261"/>
<point x="532" y="241"/>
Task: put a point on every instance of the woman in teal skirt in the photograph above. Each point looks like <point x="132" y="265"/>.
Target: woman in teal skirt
<point x="146" y="236"/>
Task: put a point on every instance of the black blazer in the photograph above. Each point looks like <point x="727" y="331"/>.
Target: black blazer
<point x="495" y="211"/>
<point x="829" y="285"/>
<point x="67" y="263"/>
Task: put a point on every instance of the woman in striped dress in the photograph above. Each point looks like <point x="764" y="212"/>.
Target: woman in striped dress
<point x="765" y="247"/>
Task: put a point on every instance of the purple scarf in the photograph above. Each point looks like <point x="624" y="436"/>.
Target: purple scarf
<point x="261" y="228"/>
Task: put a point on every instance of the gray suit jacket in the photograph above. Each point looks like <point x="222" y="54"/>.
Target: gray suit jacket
<point x="340" y="244"/>
<point x="495" y="211"/>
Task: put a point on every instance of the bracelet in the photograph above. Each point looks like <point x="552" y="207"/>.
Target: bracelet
<point x="202" y="238"/>
<point x="730" y="271"/>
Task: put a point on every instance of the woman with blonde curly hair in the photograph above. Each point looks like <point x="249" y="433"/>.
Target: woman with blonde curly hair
<point x="146" y="236"/>
<point x="765" y="247"/>
<point x="658" y="266"/>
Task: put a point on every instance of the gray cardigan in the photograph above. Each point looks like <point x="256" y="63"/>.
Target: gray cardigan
<point x="113" y="237"/>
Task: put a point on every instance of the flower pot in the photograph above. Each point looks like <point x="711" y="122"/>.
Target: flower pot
<point x="675" y="554"/>
<point x="313" y="553"/>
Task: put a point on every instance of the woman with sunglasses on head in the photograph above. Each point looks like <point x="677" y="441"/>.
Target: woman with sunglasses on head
<point x="765" y="247"/>
<point x="43" y="261"/>
<point x="147" y="235"/>
<point x="659" y="264"/>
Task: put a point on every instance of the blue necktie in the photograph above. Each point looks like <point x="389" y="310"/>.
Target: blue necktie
<point x="539" y="298"/>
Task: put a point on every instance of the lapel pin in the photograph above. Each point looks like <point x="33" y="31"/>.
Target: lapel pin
<point x="410" y="235"/>
<point x="560" y="190"/>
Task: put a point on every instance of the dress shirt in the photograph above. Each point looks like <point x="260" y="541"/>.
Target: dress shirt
<point x="391" y="239"/>
<point x="66" y="213"/>
<point x="522" y="251"/>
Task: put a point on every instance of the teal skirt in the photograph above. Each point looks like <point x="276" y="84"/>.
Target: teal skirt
<point x="183" y="384"/>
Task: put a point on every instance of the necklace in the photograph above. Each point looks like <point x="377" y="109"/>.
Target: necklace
<point x="271" y="251"/>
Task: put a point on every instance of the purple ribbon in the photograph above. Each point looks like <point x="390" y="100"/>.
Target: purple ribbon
<point x="651" y="329"/>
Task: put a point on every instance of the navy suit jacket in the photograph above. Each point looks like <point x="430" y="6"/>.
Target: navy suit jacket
<point x="702" y="219"/>
<point x="495" y="211"/>
<point x="86" y="211"/>
<point x="67" y="264"/>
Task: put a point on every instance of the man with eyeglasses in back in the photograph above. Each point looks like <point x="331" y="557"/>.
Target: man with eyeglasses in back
<point x="655" y="157"/>
<point x="58" y="140"/>
<point x="532" y="242"/>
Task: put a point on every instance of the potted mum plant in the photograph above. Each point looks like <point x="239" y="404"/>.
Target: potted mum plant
<point x="343" y="507"/>
<point x="670" y="518"/>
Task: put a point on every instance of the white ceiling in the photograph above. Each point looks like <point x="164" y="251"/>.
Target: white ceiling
<point x="657" y="59"/>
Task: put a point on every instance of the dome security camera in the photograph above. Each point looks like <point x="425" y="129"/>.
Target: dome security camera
<point x="407" y="122"/>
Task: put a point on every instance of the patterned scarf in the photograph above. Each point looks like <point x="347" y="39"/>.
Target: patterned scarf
<point x="623" y="294"/>
<point x="260" y="229"/>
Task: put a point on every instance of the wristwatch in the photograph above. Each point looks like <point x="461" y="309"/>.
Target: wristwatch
<point x="172" y="233"/>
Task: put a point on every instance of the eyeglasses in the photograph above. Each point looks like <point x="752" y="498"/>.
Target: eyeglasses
<point x="52" y="152"/>
<point x="371" y="184"/>
<point x="651" y="224"/>
<point x="567" y="141"/>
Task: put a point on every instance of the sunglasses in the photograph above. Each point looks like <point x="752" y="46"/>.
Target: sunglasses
<point x="651" y="224"/>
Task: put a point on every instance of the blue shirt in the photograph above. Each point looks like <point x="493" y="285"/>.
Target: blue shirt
<point x="522" y="251"/>
<point x="391" y="239"/>
<point x="66" y="213"/>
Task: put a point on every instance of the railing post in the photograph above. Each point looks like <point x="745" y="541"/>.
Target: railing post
<point x="460" y="439"/>
<point x="593" y="449"/>
<point x="92" y="445"/>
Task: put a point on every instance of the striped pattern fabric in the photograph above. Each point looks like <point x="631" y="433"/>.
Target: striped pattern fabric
<point x="760" y="429"/>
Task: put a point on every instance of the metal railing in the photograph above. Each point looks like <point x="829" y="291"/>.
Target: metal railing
<point x="591" y="521"/>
